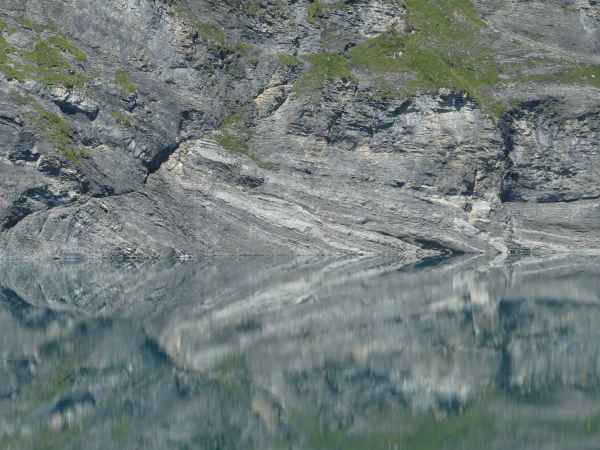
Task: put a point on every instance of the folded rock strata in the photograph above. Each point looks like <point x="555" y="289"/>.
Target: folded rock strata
<point x="150" y="128"/>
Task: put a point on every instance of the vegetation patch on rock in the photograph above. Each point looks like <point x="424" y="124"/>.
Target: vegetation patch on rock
<point x="122" y="81"/>
<point x="287" y="60"/>
<point x="48" y="65"/>
<point x="468" y="430"/>
<point x="122" y="119"/>
<point x="445" y="48"/>
<point x="324" y="68"/>
<point x="56" y="130"/>
<point x="233" y="135"/>
<point x="447" y="45"/>
<point x="46" y="62"/>
<point x="67" y="46"/>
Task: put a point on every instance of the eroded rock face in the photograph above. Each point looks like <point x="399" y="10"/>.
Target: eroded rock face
<point x="141" y="129"/>
<point x="552" y="156"/>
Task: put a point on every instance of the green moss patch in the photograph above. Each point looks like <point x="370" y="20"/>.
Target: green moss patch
<point x="21" y="99"/>
<point x="233" y="135"/>
<point x="232" y="142"/>
<point x="47" y="57"/>
<point x="324" y="68"/>
<point x="254" y="8"/>
<point x="48" y="65"/>
<point x="29" y="24"/>
<point x="207" y="31"/>
<point x="287" y="60"/>
<point x="67" y="46"/>
<point x="214" y="35"/>
<point x="575" y="74"/>
<point x="468" y="431"/>
<point x="57" y="131"/>
<point x="46" y="62"/>
<point x="122" y="81"/>
<point x="7" y="52"/>
<point x="211" y="32"/>
<point x="7" y="66"/>
<point x="445" y="49"/>
<point x="42" y="439"/>
<point x="122" y="119"/>
<point x="380" y="54"/>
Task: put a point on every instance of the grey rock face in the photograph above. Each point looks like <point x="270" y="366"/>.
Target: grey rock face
<point x="149" y="128"/>
<point x="544" y="167"/>
<point x="74" y="102"/>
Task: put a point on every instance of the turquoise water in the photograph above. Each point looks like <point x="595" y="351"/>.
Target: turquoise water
<point x="301" y="353"/>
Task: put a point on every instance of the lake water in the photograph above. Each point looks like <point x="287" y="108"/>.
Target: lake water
<point x="301" y="353"/>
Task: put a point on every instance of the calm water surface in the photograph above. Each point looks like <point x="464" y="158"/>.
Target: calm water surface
<point x="301" y="353"/>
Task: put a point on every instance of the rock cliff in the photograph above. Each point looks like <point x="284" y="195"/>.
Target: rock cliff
<point x="141" y="128"/>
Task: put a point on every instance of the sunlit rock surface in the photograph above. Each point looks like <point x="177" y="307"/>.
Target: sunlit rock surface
<point x="144" y="129"/>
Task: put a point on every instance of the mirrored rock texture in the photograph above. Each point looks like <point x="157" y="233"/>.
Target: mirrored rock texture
<point x="301" y="353"/>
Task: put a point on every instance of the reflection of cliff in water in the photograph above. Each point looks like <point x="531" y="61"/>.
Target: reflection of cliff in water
<point x="301" y="353"/>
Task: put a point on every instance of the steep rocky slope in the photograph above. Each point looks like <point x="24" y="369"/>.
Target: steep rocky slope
<point x="142" y="128"/>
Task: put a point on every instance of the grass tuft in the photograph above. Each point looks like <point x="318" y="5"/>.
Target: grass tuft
<point x="44" y="63"/>
<point x="324" y="68"/>
<point x="122" y="81"/>
<point x="287" y="60"/>
<point x="48" y="66"/>
<point x="122" y="119"/>
<point x="233" y="135"/>
<point x="7" y="66"/>
<point x="28" y="24"/>
<point x="57" y="131"/>
<point x="576" y="74"/>
<point x="469" y="430"/>
<point x="212" y="33"/>
<point x="318" y="10"/>
<point x="42" y="439"/>
<point x="67" y="46"/>
<point x="47" y="57"/>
